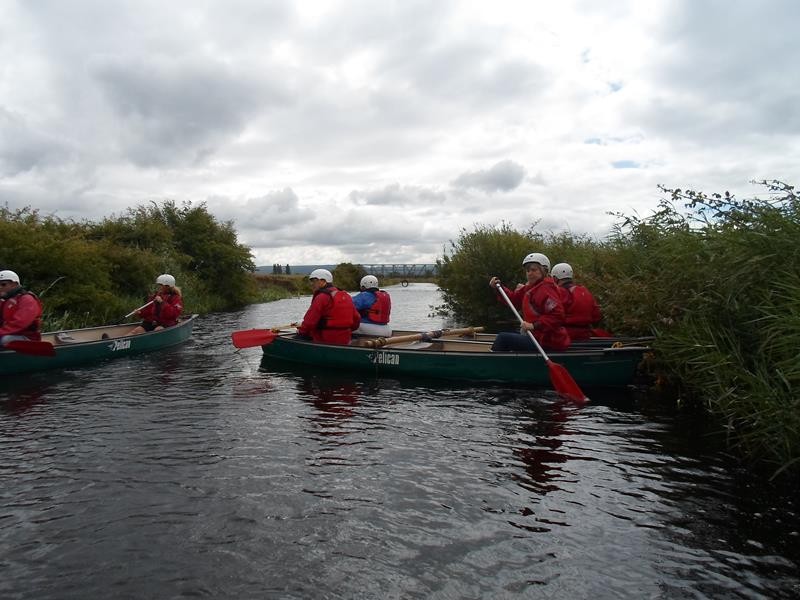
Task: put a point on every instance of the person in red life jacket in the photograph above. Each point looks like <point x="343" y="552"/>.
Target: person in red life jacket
<point x="375" y="307"/>
<point x="20" y="311"/>
<point x="332" y="317"/>
<point x="164" y="308"/>
<point x="542" y="310"/>
<point x="582" y="310"/>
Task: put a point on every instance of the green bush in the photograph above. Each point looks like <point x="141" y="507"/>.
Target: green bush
<point x="347" y="276"/>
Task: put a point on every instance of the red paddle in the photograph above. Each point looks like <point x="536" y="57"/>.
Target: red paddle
<point x="249" y="338"/>
<point x="562" y="381"/>
<point x="31" y="347"/>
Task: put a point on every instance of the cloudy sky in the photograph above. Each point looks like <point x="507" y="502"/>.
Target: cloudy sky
<point x="373" y="131"/>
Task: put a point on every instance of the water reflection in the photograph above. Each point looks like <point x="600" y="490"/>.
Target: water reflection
<point x="334" y="395"/>
<point x="537" y="445"/>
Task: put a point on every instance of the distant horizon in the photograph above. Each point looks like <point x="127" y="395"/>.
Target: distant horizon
<point x="304" y="269"/>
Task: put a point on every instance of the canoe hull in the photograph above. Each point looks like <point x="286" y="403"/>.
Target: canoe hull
<point x="86" y="346"/>
<point x="610" y="367"/>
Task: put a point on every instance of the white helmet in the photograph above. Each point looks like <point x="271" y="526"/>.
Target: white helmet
<point x="536" y="257"/>
<point x="9" y="276"/>
<point x="165" y="279"/>
<point x="321" y="274"/>
<point x="562" y="271"/>
<point x="369" y="282"/>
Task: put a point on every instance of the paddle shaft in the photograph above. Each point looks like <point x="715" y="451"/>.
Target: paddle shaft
<point x="135" y="310"/>
<point x="380" y="342"/>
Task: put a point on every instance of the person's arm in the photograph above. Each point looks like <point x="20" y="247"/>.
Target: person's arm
<point x="171" y="309"/>
<point x="356" y="319"/>
<point x="314" y="314"/>
<point x="515" y="296"/>
<point x="363" y="300"/>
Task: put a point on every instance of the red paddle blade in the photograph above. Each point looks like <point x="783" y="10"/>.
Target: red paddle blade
<point x="565" y="385"/>
<point x="250" y="338"/>
<point x="32" y="348"/>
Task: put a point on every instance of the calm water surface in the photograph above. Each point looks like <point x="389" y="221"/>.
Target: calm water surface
<point x="205" y="472"/>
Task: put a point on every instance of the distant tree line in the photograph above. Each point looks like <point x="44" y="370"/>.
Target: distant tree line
<point x="715" y="279"/>
<point x="91" y="273"/>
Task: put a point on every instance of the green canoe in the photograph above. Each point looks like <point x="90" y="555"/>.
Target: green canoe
<point x="90" y="345"/>
<point x="463" y="360"/>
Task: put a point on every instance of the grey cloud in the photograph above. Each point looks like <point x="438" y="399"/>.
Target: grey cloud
<point x="396" y="195"/>
<point x="272" y="212"/>
<point x="23" y="148"/>
<point x="177" y="111"/>
<point x="723" y="72"/>
<point x="502" y="177"/>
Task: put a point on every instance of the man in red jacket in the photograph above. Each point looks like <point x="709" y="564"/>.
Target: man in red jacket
<point x="582" y="310"/>
<point x="20" y="311"/>
<point x="332" y="317"/>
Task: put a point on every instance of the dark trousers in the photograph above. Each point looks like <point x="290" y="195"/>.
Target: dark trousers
<point x="513" y="342"/>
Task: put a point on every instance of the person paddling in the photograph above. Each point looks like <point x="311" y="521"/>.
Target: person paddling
<point x="332" y="317"/>
<point x="20" y="311"/>
<point x="164" y="306"/>
<point x="542" y="309"/>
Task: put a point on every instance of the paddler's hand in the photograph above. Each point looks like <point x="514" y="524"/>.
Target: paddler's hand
<point x="493" y="282"/>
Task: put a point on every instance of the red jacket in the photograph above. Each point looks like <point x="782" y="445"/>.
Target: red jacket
<point x="21" y="314"/>
<point x="331" y="318"/>
<point x="542" y="305"/>
<point x="582" y="311"/>
<point x="164" y="313"/>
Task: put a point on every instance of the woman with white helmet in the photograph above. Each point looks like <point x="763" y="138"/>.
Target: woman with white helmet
<point x="20" y="311"/>
<point x="331" y="318"/>
<point x="375" y="307"/>
<point x="164" y="306"/>
<point x="542" y="309"/>
<point x="582" y="310"/>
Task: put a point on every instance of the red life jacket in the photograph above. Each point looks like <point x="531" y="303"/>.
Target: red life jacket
<point x="542" y="304"/>
<point x="11" y="304"/>
<point x="340" y="314"/>
<point x="582" y="311"/>
<point x="381" y="309"/>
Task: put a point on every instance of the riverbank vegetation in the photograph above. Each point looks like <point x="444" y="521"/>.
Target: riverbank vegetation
<point x="94" y="273"/>
<point x="715" y="279"/>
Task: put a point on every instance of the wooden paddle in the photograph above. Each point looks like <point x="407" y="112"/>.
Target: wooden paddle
<point x="414" y="337"/>
<point x="31" y="347"/>
<point x="562" y="381"/>
<point x="133" y="312"/>
<point x="249" y="338"/>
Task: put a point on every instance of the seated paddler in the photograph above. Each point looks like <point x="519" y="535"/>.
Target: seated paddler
<point x="20" y="311"/>
<point x="375" y="307"/>
<point x="542" y="310"/>
<point x="332" y="316"/>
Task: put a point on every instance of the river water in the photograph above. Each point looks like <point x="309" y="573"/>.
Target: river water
<point x="203" y="472"/>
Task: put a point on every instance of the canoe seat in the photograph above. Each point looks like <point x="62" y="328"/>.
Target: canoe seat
<point x="65" y="338"/>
